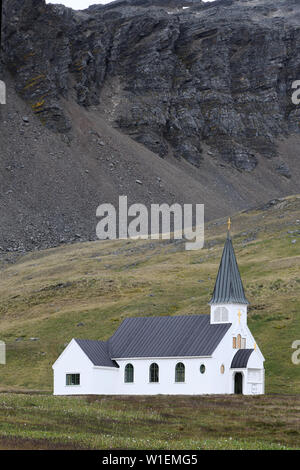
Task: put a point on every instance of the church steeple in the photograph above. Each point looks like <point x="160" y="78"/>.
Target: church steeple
<point x="228" y="287"/>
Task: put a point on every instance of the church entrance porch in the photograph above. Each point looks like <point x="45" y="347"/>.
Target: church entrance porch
<point x="238" y="383"/>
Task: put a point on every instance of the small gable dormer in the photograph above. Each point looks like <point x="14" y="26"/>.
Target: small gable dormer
<point x="228" y="303"/>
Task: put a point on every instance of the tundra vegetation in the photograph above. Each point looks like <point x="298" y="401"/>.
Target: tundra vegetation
<point x="85" y="290"/>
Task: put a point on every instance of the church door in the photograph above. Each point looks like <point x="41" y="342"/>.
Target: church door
<point x="238" y="383"/>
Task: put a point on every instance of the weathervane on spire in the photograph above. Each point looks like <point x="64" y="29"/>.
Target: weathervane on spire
<point x="229" y="224"/>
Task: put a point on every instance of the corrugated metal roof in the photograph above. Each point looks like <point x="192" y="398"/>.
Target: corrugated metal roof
<point x="229" y="287"/>
<point x="166" y="336"/>
<point x="97" y="352"/>
<point x="240" y="359"/>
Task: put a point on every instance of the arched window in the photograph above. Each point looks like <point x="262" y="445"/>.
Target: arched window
<point x="222" y="369"/>
<point x="224" y="314"/>
<point x="154" y="373"/>
<point x="221" y="314"/>
<point x="128" y="373"/>
<point x="239" y="342"/>
<point x="202" y="368"/>
<point x="234" y="342"/>
<point x="179" y="372"/>
<point x="218" y="314"/>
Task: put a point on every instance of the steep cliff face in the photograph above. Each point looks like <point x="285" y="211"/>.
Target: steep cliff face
<point x="36" y="50"/>
<point x="191" y="99"/>
<point x="171" y="74"/>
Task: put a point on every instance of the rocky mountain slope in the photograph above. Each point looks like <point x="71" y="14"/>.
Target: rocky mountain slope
<point x="190" y="99"/>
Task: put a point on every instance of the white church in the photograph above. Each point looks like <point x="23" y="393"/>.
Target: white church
<point x="172" y="355"/>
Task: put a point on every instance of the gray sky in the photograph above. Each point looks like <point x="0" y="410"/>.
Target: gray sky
<point x="78" y="4"/>
<point x="82" y="4"/>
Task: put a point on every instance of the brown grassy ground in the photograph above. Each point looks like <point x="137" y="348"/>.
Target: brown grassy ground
<point x="13" y="443"/>
<point x="159" y="422"/>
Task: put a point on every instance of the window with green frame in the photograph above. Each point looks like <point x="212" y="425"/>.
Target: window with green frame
<point x="129" y="373"/>
<point x="179" y="372"/>
<point x="73" y="379"/>
<point x="154" y="373"/>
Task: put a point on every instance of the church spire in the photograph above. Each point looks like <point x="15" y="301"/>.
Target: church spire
<point x="229" y="287"/>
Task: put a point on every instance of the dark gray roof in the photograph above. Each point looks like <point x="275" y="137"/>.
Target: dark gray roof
<point x="240" y="359"/>
<point x="229" y="287"/>
<point x="97" y="352"/>
<point x="166" y="336"/>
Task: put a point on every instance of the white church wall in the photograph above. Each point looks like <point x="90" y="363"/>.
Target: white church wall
<point x="73" y="361"/>
<point x="253" y="381"/>
<point x="104" y="381"/>
<point x="224" y="354"/>
<point x="255" y="375"/>
<point x="252" y="344"/>
<point x="195" y="381"/>
<point x="93" y="380"/>
<point x="110" y="381"/>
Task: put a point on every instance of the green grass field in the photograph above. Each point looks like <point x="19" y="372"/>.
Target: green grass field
<point x="45" y="296"/>
<point x="160" y="422"/>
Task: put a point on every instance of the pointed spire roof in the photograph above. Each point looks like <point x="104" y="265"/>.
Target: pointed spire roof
<point x="229" y="287"/>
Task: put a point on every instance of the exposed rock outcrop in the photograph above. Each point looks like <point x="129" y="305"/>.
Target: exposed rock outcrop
<point x="172" y="74"/>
